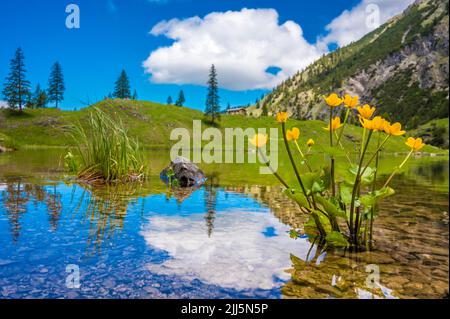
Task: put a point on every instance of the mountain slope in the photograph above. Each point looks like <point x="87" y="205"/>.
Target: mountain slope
<point x="402" y="68"/>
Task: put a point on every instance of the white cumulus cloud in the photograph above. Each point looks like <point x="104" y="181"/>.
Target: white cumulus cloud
<point x="3" y="104"/>
<point x="245" y="44"/>
<point x="353" y="24"/>
<point x="242" y="44"/>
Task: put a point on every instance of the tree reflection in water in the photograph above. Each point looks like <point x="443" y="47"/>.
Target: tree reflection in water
<point x="54" y="206"/>
<point x="210" y="203"/>
<point x="15" y="200"/>
<point x="18" y="194"/>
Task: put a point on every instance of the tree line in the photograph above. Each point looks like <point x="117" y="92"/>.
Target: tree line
<point x="17" y="89"/>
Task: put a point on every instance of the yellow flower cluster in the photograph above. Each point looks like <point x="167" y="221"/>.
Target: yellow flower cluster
<point x="378" y="123"/>
<point x="365" y="114"/>
<point x="333" y="100"/>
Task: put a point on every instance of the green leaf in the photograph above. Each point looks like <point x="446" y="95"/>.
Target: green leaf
<point x="329" y="207"/>
<point x="372" y="199"/>
<point x="368" y="175"/>
<point x="297" y="196"/>
<point x="318" y="187"/>
<point x="346" y="193"/>
<point x="336" y="239"/>
<point x="312" y="229"/>
<point x="309" y="179"/>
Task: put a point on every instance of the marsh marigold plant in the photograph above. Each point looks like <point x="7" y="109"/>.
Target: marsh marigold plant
<point x="341" y="209"/>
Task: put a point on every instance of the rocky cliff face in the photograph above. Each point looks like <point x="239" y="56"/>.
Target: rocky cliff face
<point x="402" y="68"/>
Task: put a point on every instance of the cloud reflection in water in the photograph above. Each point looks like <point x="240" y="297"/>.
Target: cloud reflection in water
<point x="238" y="255"/>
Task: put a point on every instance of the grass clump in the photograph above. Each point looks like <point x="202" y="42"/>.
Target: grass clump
<point x="104" y="152"/>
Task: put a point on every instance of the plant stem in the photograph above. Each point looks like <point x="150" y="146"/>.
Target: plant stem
<point x="346" y="154"/>
<point x="362" y="142"/>
<point x="398" y="168"/>
<point x="375" y="154"/>
<point x="333" y="187"/>
<point x="343" y="127"/>
<point x="356" y="186"/>
<point x="288" y="149"/>
<point x="331" y="128"/>
<point x="303" y="156"/>
<point x="372" y="210"/>
<point x="271" y="169"/>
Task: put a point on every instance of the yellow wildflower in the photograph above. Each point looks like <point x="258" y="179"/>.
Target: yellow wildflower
<point x="282" y="117"/>
<point x="333" y="100"/>
<point x="310" y="142"/>
<point x="293" y="134"/>
<point x="366" y="111"/>
<point x="351" y="102"/>
<point x="259" y="140"/>
<point x="335" y="124"/>
<point x="415" y="143"/>
<point x="394" y="129"/>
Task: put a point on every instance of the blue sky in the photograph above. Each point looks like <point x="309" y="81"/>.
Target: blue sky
<point x="119" y="34"/>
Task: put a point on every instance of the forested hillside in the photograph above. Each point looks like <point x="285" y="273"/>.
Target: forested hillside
<point x="402" y="68"/>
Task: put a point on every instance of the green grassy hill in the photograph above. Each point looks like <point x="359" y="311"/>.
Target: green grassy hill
<point x="434" y="132"/>
<point x="152" y="123"/>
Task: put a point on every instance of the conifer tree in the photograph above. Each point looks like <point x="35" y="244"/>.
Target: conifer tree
<point x="16" y="89"/>
<point x="39" y="98"/>
<point x="181" y="99"/>
<point x="56" y="86"/>
<point x="135" y="95"/>
<point x="212" y="99"/>
<point x="122" y="87"/>
<point x="169" y="100"/>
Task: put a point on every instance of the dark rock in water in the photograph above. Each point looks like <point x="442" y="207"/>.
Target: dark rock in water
<point x="185" y="173"/>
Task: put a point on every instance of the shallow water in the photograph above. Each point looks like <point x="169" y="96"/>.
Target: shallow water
<point x="228" y="239"/>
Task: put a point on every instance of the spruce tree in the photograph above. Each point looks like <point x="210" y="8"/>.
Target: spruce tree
<point x="39" y="99"/>
<point x="169" y="100"/>
<point x="135" y="96"/>
<point x="56" y="86"/>
<point x="17" y="88"/>
<point x="180" y="101"/>
<point x="122" y="87"/>
<point x="212" y="99"/>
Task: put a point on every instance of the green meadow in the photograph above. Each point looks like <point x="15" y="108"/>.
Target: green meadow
<point x="152" y="123"/>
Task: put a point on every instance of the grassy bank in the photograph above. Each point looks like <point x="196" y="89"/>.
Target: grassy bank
<point x="151" y="124"/>
<point x="434" y="132"/>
